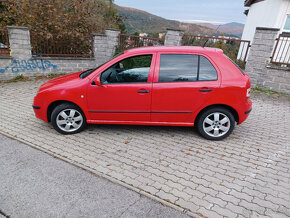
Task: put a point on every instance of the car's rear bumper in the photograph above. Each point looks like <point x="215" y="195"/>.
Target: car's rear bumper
<point x="245" y="111"/>
<point x="249" y="111"/>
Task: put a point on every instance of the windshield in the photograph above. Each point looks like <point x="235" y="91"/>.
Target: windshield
<point x="88" y="72"/>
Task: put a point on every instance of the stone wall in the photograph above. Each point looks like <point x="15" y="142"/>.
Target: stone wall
<point x="105" y="45"/>
<point x="264" y="74"/>
<point x="22" y="62"/>
<point x="173" y="37"/>
<point x="258" y="66"/>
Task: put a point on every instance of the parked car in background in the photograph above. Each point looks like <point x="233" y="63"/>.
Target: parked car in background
<point x="172" y="86"/>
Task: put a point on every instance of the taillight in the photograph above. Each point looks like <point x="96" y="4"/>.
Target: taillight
<point x="248" y="92"/>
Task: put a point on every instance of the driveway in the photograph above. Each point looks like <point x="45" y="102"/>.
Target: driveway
<point x="34" y="184"/>
<point x="246" y="175"/>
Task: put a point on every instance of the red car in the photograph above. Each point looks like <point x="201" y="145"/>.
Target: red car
<point x="172" y="86"/>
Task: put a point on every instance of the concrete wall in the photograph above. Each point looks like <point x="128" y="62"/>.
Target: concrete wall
<point x="22" y="61"/>
<point x="268" y="13"/>
<point x="263" y="74"/>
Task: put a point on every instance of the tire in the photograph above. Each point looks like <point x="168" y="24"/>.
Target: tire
<point x="68" y="119"/>
<point x="216" y="123"/>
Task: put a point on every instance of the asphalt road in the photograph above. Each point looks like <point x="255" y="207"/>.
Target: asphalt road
<point x="35" y="184"/>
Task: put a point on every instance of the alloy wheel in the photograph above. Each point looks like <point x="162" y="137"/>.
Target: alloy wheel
<point x="216" y="124"/>
<point x="69" y="120"/>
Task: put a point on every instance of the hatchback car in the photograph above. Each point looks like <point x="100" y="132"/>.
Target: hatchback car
<point x="172" y="86"/>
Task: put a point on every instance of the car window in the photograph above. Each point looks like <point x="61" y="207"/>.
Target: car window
<point x="178" y="68"/>
<point x="206" y="70"/>
<point x="131" y="70"/>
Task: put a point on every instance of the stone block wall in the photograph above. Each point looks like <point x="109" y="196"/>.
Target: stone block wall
<point x="173" y="37"/>
<point x="22" y="61"/>
<point x="263" y="74"/>
<point x="105" y="45"/>
<point x="258" y="66"/>
<point x="19" y="38"/>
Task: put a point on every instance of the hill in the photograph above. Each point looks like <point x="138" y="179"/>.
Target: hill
<point x="233" y="28"/>
<point x="142" y="21"/>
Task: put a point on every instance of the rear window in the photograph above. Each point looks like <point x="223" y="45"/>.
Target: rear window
<point x="242" y="71"/>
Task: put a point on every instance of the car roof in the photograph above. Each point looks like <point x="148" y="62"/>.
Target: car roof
<point x="174" y="49"/>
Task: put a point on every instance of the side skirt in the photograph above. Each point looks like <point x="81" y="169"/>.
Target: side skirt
<point x="139" y="123"/>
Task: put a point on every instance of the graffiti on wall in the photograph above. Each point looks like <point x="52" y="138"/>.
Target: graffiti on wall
<point x="18" y="66"/>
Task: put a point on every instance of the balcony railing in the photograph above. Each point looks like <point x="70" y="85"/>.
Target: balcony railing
<point x="234" y="48"/>
<point x="281" y="53"/>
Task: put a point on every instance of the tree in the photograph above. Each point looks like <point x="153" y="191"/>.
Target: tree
<point x="61" y="26"/>
<point x="60" y="16"/>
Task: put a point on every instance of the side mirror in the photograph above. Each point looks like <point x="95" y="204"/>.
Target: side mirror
<point x="97" y="81"/>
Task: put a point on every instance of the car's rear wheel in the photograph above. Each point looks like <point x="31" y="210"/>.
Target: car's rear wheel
<point x="68" y="118"/>
<point x="216" y="123"/>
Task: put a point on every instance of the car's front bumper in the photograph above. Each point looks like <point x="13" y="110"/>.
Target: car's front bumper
<point x="39" y="109"/>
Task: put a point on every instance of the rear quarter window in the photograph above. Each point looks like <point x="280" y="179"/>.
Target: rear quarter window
<point x="207" y="72"/>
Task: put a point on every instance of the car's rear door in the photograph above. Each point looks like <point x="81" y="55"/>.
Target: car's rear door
<point x="182" y="83"/>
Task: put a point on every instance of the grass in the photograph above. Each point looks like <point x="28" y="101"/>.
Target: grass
<point x="270" y="92"/>
<point x="21" y="78"/>
<point x="50" y="76"/>
<point x="18" y="78"/>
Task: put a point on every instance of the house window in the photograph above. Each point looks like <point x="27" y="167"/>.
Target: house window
<point x="286" y="29"/>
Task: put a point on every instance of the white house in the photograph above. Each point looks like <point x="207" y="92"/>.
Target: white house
<point x="266" y="13"/>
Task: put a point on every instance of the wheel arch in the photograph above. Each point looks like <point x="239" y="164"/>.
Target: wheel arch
<point x="54" y="104"/>
<point x="231" y="109"/>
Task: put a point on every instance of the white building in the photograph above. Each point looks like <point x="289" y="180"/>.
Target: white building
<point x="266" y="13"/>
<point x="143" y="34"/>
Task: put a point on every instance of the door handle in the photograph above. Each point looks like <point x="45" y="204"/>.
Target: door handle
<point x="143" y="91"/>
<point x="205" y="90"/>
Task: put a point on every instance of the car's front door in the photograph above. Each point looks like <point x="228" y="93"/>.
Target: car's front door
<point x="182" y="83"/>
<point x="125" y="91"/>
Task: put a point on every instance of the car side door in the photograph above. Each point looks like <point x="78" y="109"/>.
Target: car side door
<point x="182" y="83"/>
<point x="125" y="89"/>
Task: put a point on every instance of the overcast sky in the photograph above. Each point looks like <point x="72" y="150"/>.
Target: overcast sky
<point x="213" y="11"/>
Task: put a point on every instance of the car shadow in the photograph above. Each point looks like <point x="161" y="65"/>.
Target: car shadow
<point x="143" y="128"/>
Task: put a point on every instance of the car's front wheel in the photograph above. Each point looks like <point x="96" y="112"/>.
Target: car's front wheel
<point x="68" y="118"/>
<point x="216" y="123"/>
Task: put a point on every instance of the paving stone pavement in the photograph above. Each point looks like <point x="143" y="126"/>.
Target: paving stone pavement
<point x="246" y="175"/>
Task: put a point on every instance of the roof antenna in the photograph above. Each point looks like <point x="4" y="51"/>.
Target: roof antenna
<point x="204" y="44"/>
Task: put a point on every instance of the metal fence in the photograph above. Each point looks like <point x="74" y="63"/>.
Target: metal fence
<point x="53" y="45"/>
<point x="234" y="48"/>
<point x="4" y="43"/>
<point x="131" y="41"/>
<point x="281" y="53"/>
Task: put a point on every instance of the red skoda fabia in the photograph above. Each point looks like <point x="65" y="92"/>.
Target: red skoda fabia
<point x="172" y="86"/>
